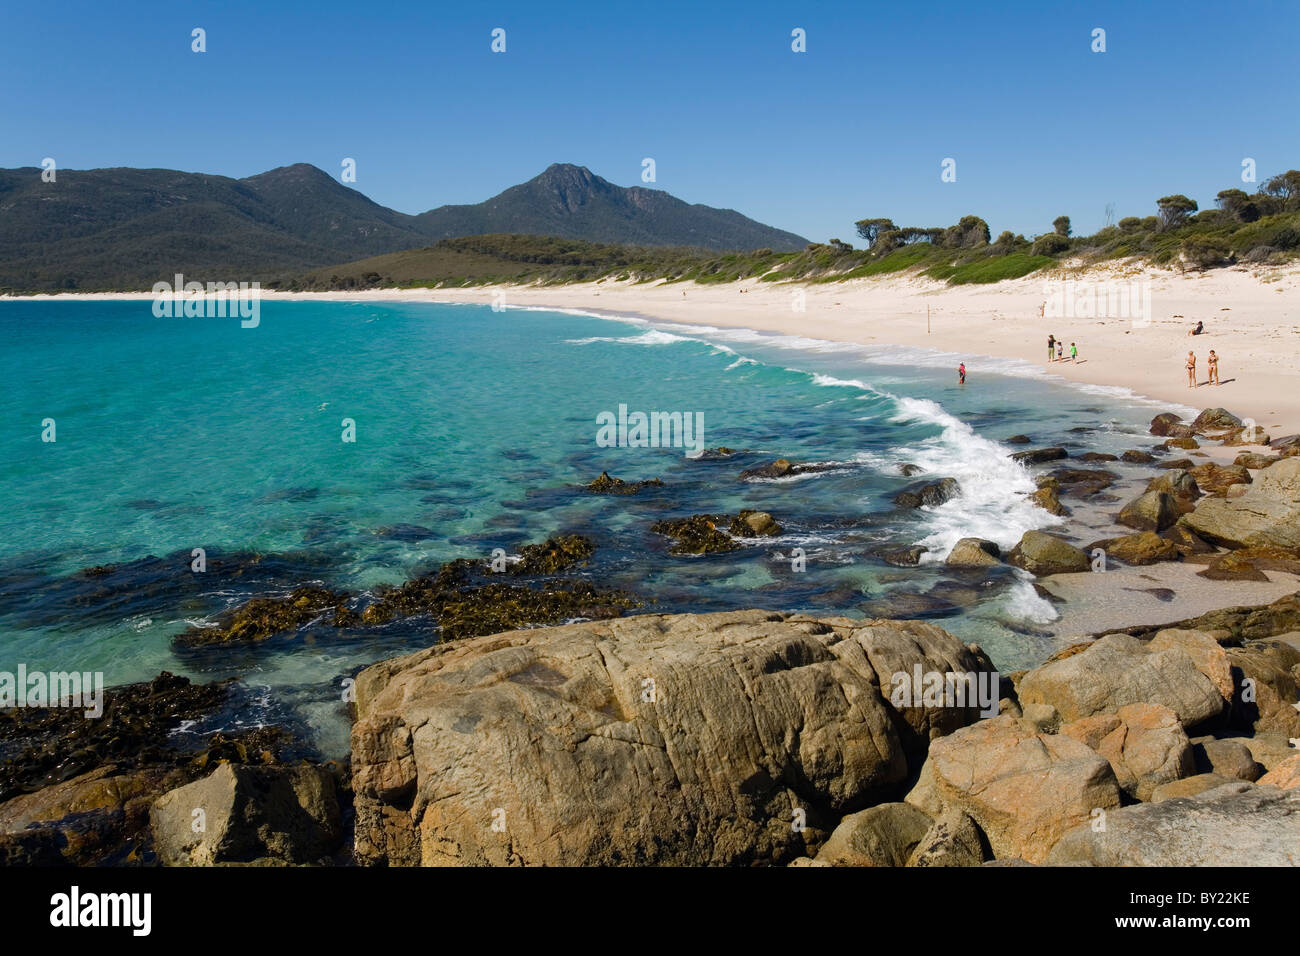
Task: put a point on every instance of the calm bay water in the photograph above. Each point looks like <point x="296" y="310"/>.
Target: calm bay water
<point x="475" y="430"/>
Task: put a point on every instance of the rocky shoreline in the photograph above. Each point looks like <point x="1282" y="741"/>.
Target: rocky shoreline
<point x="736" y="738"/>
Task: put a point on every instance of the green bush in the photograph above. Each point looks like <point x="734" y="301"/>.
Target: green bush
<point x="1050" y="244"/>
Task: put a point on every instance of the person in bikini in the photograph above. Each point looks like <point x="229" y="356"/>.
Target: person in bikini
<point x="1213" y="363"/>
<point x="1191" y="369"/>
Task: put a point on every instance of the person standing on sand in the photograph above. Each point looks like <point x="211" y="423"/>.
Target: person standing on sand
<point x="961" y="374"/>
<point x="1060" y="350"/>
<point x="1191" y="369"/>
<point x="1074" y="352"/>
<point x="1213" y="363"/>
<point x="1051" y="347"/>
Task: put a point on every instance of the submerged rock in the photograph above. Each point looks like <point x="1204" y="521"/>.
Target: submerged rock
<point x="903" y="557"/>
<point x="929" y="495"/>
<point x="1135" y="457"/>
<point x="754" y="524"/>
<point x="608" y="485"/>
<point x="784" y="468"/>
<point x="714" y="454"/>
<point x="698" y="534"/>
<point x="262" y="618"/>
<point x="553" y="555"/>
<point x="1038" y="456"/>
<point x="1084" y="481"/>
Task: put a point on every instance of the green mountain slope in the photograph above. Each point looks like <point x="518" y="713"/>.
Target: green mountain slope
<point x="105" y="229"/>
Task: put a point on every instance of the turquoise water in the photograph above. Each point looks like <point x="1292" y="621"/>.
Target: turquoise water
<point x="474" y="430"/>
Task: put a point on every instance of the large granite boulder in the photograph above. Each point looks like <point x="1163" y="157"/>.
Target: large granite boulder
<point x="1041" y="554"/>
<point x="1151" y="511"/>
<point x="1023" y="788"/>
<point x="1285" y="776"/>
<point x="1215" y="420"/>
<point x="884" y="835"/>
<point x="1238" y="824"/>
<point x="1215" y="479"/>
<point x="673" y="739"/>
<point x="953" y="840"/>
<point x="1117" y="670"/>
<point x="1145" y="547"/>
<point x="1144" y="743"/>
<point x="1268" y="515"/>
<point x="1267" y="675"/>
<point x="244" y="814"/>
<point x="974" y="553"/>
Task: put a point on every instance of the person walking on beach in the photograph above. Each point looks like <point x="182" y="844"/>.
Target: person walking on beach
<point x="1074" y="352"/>
<point x="961" y="374"/>
<point x="1191" y="369"/>
<point x="1213" y="363"/>
<point x="1051" y="347"/>
<point x="1060" y="350"/>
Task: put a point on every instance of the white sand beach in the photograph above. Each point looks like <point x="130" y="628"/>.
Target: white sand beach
<point x="1251" y="316"/>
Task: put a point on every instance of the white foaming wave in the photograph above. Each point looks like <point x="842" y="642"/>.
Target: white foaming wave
<point x="1023" y="603"/>
<point x="993" y="501"/>
<point x="830" y="381"/>
<point x="877" y="354"/>
<point x="741" y="361"/>
<point x="652" y="337"/>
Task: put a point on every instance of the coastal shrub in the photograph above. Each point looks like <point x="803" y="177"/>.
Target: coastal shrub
<point x="990" y="269"/>
<point x="1202" y="253"/>
<point x="1050" y="244"/>
<point x="1287" y="237"/>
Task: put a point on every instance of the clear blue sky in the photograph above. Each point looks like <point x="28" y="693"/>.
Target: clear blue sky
<point x="857" y="126"/>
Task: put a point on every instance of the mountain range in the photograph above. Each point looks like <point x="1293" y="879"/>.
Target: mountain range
<point x="125" y="228"/>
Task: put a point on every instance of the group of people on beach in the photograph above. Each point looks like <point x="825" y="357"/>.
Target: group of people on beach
<point x="1212" y="361"/>
<point x="1056" y="350"/>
